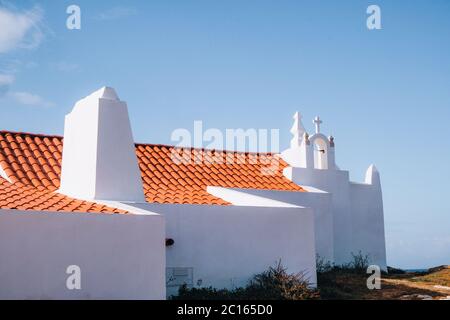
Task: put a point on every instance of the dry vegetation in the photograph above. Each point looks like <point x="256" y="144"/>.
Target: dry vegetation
<point x="273" y="284"/>
<point x="342" y="284"/>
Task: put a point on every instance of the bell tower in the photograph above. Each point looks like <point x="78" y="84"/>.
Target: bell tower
<point x="313" y="152"/>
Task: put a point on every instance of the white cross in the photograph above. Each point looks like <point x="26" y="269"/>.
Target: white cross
<point x="317" y="123"/>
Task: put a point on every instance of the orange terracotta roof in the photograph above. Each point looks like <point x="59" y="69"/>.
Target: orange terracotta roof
<point x="35" y="161"/>
<point x="21" y="197"/>
<point x="167" y="181"/>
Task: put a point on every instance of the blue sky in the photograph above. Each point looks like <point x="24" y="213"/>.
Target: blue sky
<point x="384" y="94"/>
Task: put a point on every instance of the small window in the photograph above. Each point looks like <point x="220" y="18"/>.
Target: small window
<point x="320" y="154"/>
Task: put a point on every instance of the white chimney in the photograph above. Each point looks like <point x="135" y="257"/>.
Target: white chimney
<point x="99" y="157"/>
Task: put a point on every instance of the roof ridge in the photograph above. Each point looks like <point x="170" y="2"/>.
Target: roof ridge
<point x="31" y="134"/>
<point x="204" y="149"/>
<point x="143" y="144"/>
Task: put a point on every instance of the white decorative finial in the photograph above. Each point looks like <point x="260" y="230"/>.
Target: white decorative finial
<point x="297" y="130"/>
<point x="331" y="139"/>
<point x="372" y="176"/>
<point x="317" y="123"/>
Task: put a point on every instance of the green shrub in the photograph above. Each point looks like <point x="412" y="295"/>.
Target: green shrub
<point x="342" y="281"/>
<point x="210" y="293"/>
<point x="323" y="265"/>
<point x="272" y="284"/>
<point x="359" y="264"/>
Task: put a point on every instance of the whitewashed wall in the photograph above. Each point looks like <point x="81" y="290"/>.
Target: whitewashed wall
<point x="120" y="256"/>
<point x="318" y="200"/>
<point x="335" y="182"/>
<point x="226" y="245"/>
<point x="368" y="223"/>
<point x="357" y="209"/>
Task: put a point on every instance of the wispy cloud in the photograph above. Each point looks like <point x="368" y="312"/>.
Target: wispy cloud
<point x="12" y="66"/>
<point x="30" y="99"/>
<point x="5" y="81"/>
<point x="117" y="13"/>
<point x="65" y="66"/>
<point x="21" y="97"/>
<point x="20" y="29"/>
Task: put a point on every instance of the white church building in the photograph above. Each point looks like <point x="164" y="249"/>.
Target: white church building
<point x="94" y="215"/>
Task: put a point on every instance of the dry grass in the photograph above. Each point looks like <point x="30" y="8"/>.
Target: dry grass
<point x="345" y="284"/>
<point x="441" y="276"/>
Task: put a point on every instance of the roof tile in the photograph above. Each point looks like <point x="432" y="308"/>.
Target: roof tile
<point x="21" y="197"/>
<point x="33" y="163"/>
